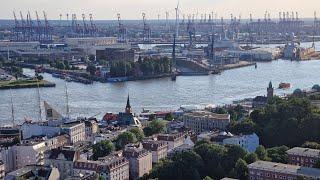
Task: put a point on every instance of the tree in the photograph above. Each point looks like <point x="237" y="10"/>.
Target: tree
<point x="124" y="139"/>
<point x="251" y="158"/>
<point x="169" y="117"/>
<point x="261" y="153"/>
<point x="311" y="145"/>
<point x="241" y="169"/>
<point x="207" y="178"/>
<point x="39" y="77"/>
<point x="316" y="87"/>
<point x="91" y="69"/>
<point x="317" y="164"/>
<point x="278" y="154"/>
<point x="155" y="127"/>
<point x="102" y="148"/>
<point x="298" y="93"/>
<point x="92" y="57"/>
<point x="138" y="133"/>
<point x="243" y="127"/>
<point x="220" y="110"/>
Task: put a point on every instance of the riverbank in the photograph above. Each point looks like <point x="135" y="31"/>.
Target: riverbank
<point x="18" y="84"/>
<point x="238" y="65"/>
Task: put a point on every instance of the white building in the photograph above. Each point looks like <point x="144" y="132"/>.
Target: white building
<point x="173" y="140"/>
<point x="30" y="129"/>
<point x="247" y="142"/>
<point x="18" y="156"/>
<point x="76" y="131"/>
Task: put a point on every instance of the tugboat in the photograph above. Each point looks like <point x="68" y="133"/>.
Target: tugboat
<point x="284" y="85"/>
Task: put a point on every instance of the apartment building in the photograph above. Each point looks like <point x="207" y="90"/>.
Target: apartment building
<point x="159" y="149"/>
<point x="261" y="170"/>
<point x="140" y="161"/>
<point x="173" y="140"/>
<point x="76" y="131"/>
<point x="63" y="159"/>
<point x="201" y="121"/>
<point x="303" y="156"/>
<point x="110" y="167"/>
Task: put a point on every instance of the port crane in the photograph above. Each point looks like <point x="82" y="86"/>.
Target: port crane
<point x="122" y="31"/>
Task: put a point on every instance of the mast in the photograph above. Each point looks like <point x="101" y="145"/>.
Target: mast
<point x="177" y="20"/>
<point x="12" y="109"/>
<point x="39" y="102"/>
<point x="67" y="101"/>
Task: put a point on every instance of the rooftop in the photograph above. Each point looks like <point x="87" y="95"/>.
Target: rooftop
<point x="304" y="152"/>
<point x="30" y="171"/>
<point x="208" y="114"/>
<point x="69" y="155"/>
<point x="285" y="168"/>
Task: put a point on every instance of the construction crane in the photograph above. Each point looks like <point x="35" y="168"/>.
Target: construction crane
<point x="122" y="31"/>
<point x="146" y="29"/>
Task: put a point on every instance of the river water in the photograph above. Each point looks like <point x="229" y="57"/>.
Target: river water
<point x="160" y="94"/>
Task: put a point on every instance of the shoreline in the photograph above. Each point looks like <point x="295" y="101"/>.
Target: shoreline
<point x="21" y="85"/>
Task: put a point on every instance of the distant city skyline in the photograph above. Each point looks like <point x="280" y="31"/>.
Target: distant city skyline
<point x="132" y="9"/>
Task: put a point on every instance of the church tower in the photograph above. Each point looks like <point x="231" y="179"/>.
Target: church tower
<point x="270" y="90"/>
<point x="128" y="106"/>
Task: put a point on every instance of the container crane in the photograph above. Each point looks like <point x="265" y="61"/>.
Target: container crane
<point x="122" y="31"/>
<point x="146" y="29"/>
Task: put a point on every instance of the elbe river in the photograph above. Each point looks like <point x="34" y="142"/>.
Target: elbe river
<point x="160" y="94"/>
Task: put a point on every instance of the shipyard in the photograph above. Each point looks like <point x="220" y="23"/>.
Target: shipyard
<point x="170" y="90"/>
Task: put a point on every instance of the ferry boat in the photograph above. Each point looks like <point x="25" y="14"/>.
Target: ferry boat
<point x="284" y="85"/>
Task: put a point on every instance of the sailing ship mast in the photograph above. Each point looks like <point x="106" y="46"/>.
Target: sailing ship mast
<point x="12" y="109"/>
<point x="67" y="101"/>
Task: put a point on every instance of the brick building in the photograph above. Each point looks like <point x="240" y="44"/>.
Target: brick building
<point x="303" y="156"/>
<point x="261" y="170"/>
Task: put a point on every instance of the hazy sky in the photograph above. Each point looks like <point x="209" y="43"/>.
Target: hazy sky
<point x="132" y="9"/>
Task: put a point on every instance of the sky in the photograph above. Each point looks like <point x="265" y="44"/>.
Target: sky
<point x="132" y="9"/>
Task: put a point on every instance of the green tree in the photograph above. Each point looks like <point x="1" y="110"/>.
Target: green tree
<point x="317" y="164"/>
<point x="261" y="153"/>
<point x="124" y="139"/>
<point x="91" y="69"/>
<point x="169" y="117"/>
<point x="221" y="110"/>
<point x="243" y="127"/>
<point x="102" y="148"/>
<point x="241" y="169"/>
<point x="278" y="154"/>
<point x="251" y="158"/>
<point x="138" y="133"/>
<point x="92" y="57"/>
<point x="311" y="145"/>
<point x="207" y="178"/>
<point x="155" y="127"/>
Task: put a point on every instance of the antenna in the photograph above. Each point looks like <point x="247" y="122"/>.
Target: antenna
<point x="12" y="109"/>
